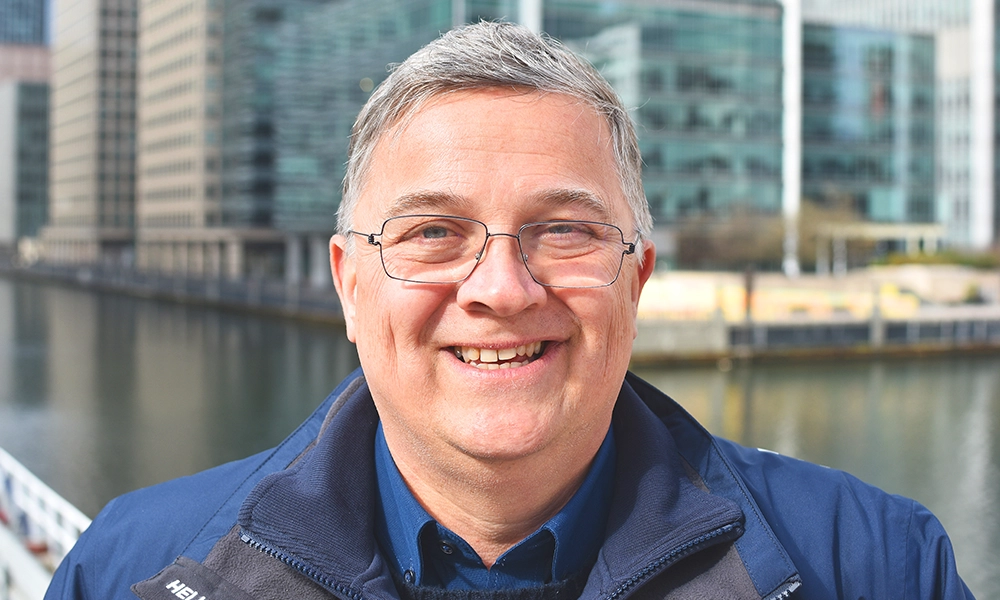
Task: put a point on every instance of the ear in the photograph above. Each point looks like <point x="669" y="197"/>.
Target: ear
<point x="345" y="279"/>
<point x="645" y="270"/>
<point x="643" y="273"/>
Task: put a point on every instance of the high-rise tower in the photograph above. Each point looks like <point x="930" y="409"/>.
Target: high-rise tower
<point x="24" y="118"/>
<point x="92" y="155"/>
<point x="23" y="21"/>
<point x="178" y="166"/>
<point x="964" y="33"/>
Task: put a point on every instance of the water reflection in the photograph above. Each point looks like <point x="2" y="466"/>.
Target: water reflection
<point x="100" y="393"/>
<point x="923" y="428"/>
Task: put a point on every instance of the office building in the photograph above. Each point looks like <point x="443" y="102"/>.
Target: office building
<point x="24" y="62"/>
<point x="92" y="153"/>
<point x="916" y="16"/>
<point x="24" y="120"/>
<point x="243" y="137"/>
<point x="705" y="81"/>
<point x="24" y="92"/>
<point x="23" y="21"/>
<point x="868" y="122"/>
<point x="966" y="58"/>
<point x="178" y="164"/>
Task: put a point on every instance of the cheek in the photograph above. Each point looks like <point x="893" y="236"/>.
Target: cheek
<point x="621" y="333"/>
<point x="373" y="323"/>
<point x="607" y="322"/>
<point x="394" y="319"/>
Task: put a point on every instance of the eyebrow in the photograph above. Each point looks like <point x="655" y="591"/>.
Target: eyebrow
<point x="446" y="202"/>
<point x="424" y="201"/>
<point x="581" y="199"/>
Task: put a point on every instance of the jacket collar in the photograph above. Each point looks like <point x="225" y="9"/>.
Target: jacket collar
<point x="766" y="561"/>
<point x="318" y="513"/>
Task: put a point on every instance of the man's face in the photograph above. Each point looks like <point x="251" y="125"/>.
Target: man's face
<point x="505" y="159"/>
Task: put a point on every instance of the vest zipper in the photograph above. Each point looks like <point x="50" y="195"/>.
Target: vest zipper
<point x="335" y="588"/>
<point x="724" y="533"/>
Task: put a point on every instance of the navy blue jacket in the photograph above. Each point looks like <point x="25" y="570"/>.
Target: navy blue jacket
<point x="692" y="516"/>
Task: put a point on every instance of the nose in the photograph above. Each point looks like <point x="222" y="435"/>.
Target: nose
<point x="500" y="283"/>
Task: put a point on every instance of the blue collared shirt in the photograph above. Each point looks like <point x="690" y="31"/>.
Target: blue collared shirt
<point x="425" y="553"/>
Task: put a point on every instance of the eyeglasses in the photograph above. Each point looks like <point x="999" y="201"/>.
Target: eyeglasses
<point x="446" y="249"/>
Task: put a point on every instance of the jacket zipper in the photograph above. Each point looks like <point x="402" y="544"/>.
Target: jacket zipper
<point x="731" y="531"/>
<point x="785" y="591"/>
<point x="335" y="588"/>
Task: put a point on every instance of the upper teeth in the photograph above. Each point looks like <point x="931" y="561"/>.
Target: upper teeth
<point x="489" y="357"/>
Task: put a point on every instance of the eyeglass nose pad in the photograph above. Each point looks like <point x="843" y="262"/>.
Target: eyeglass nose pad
<point x="524" y="256"/>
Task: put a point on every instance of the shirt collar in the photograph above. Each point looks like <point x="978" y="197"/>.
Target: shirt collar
<point x="399" y="518"/>
<point x="578" y="529"/>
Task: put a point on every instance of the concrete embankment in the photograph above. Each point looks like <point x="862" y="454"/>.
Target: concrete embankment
<point x="685" y="317"/>
<point x="883" y="311"/>
<point x="934" y="331"/>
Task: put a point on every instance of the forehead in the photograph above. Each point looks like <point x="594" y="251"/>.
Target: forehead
<point x="496" y="150"/>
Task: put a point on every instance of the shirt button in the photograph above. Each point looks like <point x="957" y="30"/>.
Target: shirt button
<point x="409" y="576"/>
<point x="447" y="548"/>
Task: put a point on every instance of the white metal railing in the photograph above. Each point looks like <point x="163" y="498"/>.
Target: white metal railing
<point x="37" y="529"/>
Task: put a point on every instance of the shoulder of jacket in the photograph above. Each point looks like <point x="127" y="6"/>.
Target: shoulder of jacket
<point x="140" y="532"/>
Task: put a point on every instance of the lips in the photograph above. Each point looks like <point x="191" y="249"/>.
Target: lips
<point x="499" y="358"/>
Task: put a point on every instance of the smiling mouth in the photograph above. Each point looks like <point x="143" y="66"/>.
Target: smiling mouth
<point x="502" y="358"/>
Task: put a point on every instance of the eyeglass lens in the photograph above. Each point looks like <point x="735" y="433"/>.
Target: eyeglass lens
<point x="439" y="249"/>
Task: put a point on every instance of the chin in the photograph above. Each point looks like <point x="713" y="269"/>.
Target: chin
<point x="504" y="443"/>
<point x="498" y="453"/>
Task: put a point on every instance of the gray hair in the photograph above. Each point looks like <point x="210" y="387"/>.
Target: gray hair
<point x="491" y="55"/>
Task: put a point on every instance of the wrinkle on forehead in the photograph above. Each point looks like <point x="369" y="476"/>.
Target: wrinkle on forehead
<point x="400" y="128"/>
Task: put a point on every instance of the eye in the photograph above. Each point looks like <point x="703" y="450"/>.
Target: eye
<point x="433" y="232"/>
<point x="567" y="230"/>
<point x="562" y="228"/>
<point x="430" y="230"/>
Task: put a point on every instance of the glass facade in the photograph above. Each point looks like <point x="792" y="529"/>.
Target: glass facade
<point x="868" y="122"/>
<point x="954" y="170"/>
<point x="32" y="174"/>
<point x="996" y="121"/>
<point x="705" y="82"/>
<point x="295" y="75"/>
<point x="913" y="16"/>
<point x="23" y="21"/>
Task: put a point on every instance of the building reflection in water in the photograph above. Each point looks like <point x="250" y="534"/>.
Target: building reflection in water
<point x="924" y="428"/>
<point x="102" y="393"/>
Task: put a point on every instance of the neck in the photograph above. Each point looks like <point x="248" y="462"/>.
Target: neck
<point x="494" y="504"/>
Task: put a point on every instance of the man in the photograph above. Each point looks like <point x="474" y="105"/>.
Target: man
<point x="489" y="261"/>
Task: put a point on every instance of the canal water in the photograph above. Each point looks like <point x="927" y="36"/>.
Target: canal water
<point x="102" y="393"/>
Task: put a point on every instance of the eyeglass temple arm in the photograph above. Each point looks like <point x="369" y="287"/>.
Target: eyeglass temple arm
<point x="369" y="237"/>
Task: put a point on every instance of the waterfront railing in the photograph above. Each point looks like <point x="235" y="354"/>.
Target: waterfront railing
<point x="38" y="527"/>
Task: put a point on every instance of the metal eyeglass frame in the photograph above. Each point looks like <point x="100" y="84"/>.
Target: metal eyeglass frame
<point x="370" y="238"/>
